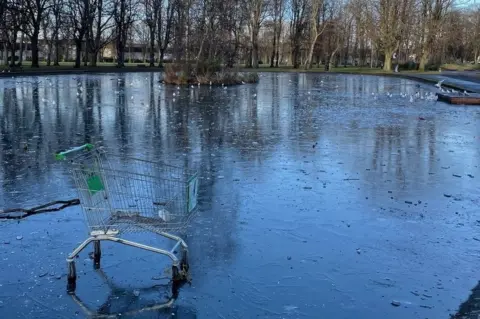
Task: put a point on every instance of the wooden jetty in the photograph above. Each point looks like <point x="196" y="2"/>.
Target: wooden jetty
<point x="460" y="98"/>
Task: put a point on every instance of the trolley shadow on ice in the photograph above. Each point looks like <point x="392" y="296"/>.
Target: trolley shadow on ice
<point x="132" y="302"/>
<point x="121" y="195"/>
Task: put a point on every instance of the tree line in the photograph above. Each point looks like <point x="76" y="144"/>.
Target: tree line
<point x="304" y="33"/>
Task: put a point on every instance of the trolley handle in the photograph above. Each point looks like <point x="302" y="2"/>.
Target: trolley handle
<point x="62" y="155"/>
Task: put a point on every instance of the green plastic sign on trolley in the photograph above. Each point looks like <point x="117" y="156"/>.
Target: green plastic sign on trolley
<point x="95" y="184"/>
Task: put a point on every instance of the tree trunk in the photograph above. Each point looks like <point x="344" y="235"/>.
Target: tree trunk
<point x="66" y="49"/>
<point x="12" y="58"/>
<point x="249" y="58"/>
<point x="371" y="57"/>
<point x="160" y="57"/>
<point x="5" y="54"/>
<point x="57" y="49"/>
<point x="34" y="45"/>
<point x="255" y="49"/>
<point x="277" y="57"/>
<point x="20" y="55"/>
<point x="423" y="62"/>
<point x="200" y="51"/>
<point x="152" y="47"/>
<point x="78" y="53"/>
<point x="295" y="55"/>
<point x="49" y="53"/>
<point x="93" y="58"/>
<point x="308" y="61"/>
<point x="362" y="53"/>
<point x="279" y="34"/>
<point x="332" y="59"/>
<point x="272" y="58"/>
<point x="387" y="65"/>
<point x="120" y="53"/>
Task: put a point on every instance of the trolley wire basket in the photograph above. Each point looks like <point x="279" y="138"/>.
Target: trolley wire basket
<point x="121" y="194"/>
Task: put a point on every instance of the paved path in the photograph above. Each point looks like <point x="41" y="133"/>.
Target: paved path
<point x="463" y="81"/>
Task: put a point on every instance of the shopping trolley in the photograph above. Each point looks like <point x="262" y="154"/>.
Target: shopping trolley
<point x="122" y="195"/>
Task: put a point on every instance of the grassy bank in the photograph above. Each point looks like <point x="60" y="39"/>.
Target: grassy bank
<point x="461" y="67"/>
<point x="68" y="67"/>
<point x="346" y="70"/>
<point x="65" y="68"/>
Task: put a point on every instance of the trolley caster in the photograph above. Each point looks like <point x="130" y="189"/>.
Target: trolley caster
<point x="177" y="281"/>
<point x="184" y="266"/>
<point x="71" y="286"/>
<point x="180" y="274"/>
<point x="97" y="254"/>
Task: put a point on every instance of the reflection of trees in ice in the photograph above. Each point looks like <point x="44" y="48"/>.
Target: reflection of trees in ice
<point x="210" y="128"/>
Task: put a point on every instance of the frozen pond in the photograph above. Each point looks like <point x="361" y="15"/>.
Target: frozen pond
<point x="322" y="196"/>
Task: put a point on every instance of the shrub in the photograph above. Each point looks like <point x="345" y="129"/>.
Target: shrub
<point x="432" y="67"/>
<point x="206" y="73"/>
<point x="410" y="65"/>
<point x="250" y="77"/>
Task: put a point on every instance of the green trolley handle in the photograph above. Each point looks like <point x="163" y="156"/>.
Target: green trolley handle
<point x="63" y="155"/>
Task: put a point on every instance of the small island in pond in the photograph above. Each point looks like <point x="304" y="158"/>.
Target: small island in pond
<point x="205" y="74"/>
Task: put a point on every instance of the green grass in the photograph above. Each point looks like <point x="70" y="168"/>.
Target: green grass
<point x="341" y="69"/>
<point x="460" y="67"/>
<point x="70" y="65"/>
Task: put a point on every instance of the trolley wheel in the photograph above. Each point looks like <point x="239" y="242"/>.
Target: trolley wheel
<point x="178" y="279"/>
<point x="97" y="254"/>
<point x="176" y="276"/>
<point x="71" y="286"/>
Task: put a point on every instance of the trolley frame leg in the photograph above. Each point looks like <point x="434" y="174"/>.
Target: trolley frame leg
<point x="97" y="254"/>
<point x="179" y="266"/>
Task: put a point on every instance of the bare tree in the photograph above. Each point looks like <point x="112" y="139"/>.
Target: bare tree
<point x="337" y="25"/>
<point x="124" y="14"/>
<point x="233" y="19"/>
<point x="165" y="26"/>
<point x="36" y="11"/>
<point x="153" y="8"/>
<point x="141" y="37"/>
<point x="58" y="19"/>
<point x="48" y="36"/>
<point x="317" y="25"/>
<point x="99" y="31"/>
<point x="3" y="7"/>
<point x="389" y="12"/>
<point x="475" y="34"/>
<point x="278" y="8"/>
<point x="79" y="14"/>
<point x="298" y="25"/>
<point x="258" y="11"/>
<point x="12" y="24"/>
<point x="432" y="15"/>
